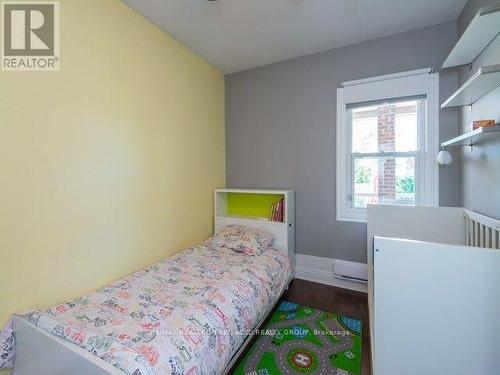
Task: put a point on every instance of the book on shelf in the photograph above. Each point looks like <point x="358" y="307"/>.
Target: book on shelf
<point x="277" y="212"/>
<point x="271" y="213"/>
<point x="282" y="210"/>
<point x="483" y="124"/>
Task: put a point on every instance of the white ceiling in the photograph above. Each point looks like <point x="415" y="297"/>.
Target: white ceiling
<point x="235" y="35"/>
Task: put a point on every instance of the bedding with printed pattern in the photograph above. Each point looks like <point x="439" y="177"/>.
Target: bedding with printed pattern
<point x="187" y="314"/>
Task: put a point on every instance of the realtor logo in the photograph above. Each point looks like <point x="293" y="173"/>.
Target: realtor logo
<point x="30" y="35"/>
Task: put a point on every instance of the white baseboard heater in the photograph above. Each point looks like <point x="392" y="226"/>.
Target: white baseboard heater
<point x="351" y="271"/>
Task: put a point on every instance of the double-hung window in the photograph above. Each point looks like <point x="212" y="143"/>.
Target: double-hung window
<point x="387" y="140"/>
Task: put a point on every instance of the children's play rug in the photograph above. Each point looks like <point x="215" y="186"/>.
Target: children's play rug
<point x="301" y="340"/>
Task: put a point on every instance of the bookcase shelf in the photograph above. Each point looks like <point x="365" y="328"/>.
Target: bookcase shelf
<point x="253" y="205"/>
<point x="251" y="219"/>
<point x="252" y="208"/>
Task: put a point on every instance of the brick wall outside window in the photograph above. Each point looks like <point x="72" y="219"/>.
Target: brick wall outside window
<point x="386" y="185"/>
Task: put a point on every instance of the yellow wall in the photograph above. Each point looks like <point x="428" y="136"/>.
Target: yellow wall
<point x="108" y="164"/>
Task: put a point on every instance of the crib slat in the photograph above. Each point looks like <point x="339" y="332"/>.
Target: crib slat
<point x="471" y="232"/>
<point x="476" y="234"/>
<point x="481" y="231"/>
<point x="466" y="231"/>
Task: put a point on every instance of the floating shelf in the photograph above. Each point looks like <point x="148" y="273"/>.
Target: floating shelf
<point x="485" y="80"/>
<point x="473" y="137"/>
<point x="484" y="27"/>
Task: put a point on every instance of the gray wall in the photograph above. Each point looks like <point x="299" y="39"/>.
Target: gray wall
<point x="480" y="168"/>
<point x="280" y="129"/>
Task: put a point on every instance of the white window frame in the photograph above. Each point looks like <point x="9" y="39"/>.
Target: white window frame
<point x="415" y="83"/>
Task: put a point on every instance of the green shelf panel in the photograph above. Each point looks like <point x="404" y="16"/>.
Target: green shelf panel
<point x="252" y="205"/>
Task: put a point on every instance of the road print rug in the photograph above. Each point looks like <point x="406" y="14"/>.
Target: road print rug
<point x="301" y="340"/>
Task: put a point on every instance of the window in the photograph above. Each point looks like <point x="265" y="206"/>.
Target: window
<point x="386" y="145"/>
<point x="383" y="153"/>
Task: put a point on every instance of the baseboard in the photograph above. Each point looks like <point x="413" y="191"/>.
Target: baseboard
<point x="320" y="270"/>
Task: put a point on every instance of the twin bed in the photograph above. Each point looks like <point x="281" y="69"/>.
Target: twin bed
<point x="192" y="314"/>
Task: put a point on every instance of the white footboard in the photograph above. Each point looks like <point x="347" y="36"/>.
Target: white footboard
<point x="437" y="309"/>
<point x="40" y="353"/>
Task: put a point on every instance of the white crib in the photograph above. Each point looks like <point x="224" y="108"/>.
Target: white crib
<point x="434" y="291"/>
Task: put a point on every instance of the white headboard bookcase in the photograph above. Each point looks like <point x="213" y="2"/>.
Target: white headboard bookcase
<point x="253" y="208"/>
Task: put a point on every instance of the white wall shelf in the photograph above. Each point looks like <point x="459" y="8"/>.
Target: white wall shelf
<point x="473" y="137"/>
<point x="485" y="80"/>
<point x="484" y="27"/>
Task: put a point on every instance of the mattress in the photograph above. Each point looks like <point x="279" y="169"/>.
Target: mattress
<point x="187" y="314"/>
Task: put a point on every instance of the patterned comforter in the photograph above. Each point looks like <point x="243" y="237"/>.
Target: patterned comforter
<point x="187" y="314"/>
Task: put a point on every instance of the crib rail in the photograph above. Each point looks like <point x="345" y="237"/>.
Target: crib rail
<point x="481" y="230"/>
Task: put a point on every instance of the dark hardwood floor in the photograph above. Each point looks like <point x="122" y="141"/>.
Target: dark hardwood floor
<point x="336" y="300"/>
